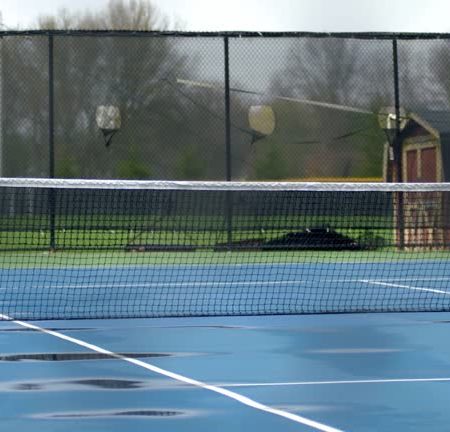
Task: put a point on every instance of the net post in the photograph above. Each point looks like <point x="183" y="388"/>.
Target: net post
<point x="228" y="171"/>
<point x="51" y="142"/>
<point x="398" y="147"/>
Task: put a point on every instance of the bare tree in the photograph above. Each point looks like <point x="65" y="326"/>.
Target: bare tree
<point x="430" y="84"/>
<point x="321" y="69"/>
<point x="137" y="15"/>
<point x="346" y="73"/>
<point x="132" y="73"/>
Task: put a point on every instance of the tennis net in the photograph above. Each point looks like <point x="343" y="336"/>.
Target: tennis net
<point x="113" y="249"/>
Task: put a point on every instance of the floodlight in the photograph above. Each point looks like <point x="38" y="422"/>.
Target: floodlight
<point x="108" y="121"/>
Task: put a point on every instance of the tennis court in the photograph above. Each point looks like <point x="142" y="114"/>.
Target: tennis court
<point x="244" y="289"/>
<point x="149" y="306"/>
<point x="346" y="372"/>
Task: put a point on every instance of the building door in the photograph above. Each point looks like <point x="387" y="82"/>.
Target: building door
<point x="422" y="210"/>
<point x="412" y="168"/>
<point x="428" y="165"/>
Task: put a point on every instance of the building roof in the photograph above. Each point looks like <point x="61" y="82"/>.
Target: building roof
<point x="438" y="120"/>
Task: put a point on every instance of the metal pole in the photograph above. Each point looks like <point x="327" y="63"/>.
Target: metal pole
<point x="229" y="197"/>
<point x="397" y="142"/>
<point x="1" y="106"/>
<point x="397" y="148"/>
<point x="227" y="110"/>
<point x="51" y="143"/>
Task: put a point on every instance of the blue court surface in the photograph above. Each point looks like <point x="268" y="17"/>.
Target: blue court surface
<point x="325" y="372"/>
<point x="374" y="372"/>
<point x="236" y="289"/>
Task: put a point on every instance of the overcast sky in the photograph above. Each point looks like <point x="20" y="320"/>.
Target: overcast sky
<point x="265" y="15"/>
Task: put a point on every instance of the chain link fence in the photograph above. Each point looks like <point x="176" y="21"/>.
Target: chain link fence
<point x="228" y="106"/>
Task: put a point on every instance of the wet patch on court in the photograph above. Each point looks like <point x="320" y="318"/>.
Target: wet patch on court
<point x="24" y="330"/>
<point x="46" y="357"/>
<point x="118" y="413"/>
<point x="87" y="383"/>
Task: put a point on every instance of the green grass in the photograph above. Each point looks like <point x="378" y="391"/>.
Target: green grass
<point x="106" y="247"/>
<point x="94" y="238"/>
<point x="61" y="259"/>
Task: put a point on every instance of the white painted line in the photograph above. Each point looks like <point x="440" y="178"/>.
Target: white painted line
<point x="178" y="284"/>
<point x="409" y="287"/>
<point x="221" y="283"/>
<point x="431" y="279"/>
<point x="303" y="383"/>
<point x="181" y="378"/>
<point x="315" y="282"/>
<point x="188" y="284"/>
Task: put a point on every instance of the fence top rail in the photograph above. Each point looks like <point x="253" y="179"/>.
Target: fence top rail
<point x="45" y="183"/>
<point x="230" y="34"/>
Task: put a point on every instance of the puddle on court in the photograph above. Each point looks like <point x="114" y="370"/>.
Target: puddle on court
<point x="87" y="383"/>
<point x="28" y="387"/>
<point x="118" y="413"/>
<point x="59" y="329"/>
<point x="98" y="383"/>
<point x="80" y="356"/>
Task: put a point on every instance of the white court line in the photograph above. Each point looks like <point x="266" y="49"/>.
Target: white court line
<point x="241" y="283"/>
<point x="304" y="383"/>
<point x="431" y="279"/>
<point x="190" y="284"/>
<point x="181" y="378"/>
<point x="409" y="287"/>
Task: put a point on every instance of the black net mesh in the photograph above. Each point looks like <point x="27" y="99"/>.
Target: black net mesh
<point x="108" y="250"/>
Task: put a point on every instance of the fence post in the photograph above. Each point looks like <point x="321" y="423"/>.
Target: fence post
<point x="398" y="147"/>
<point x="51" y="143"/>
<point x="228" y="171"/>
<point x="1" y="106"/>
